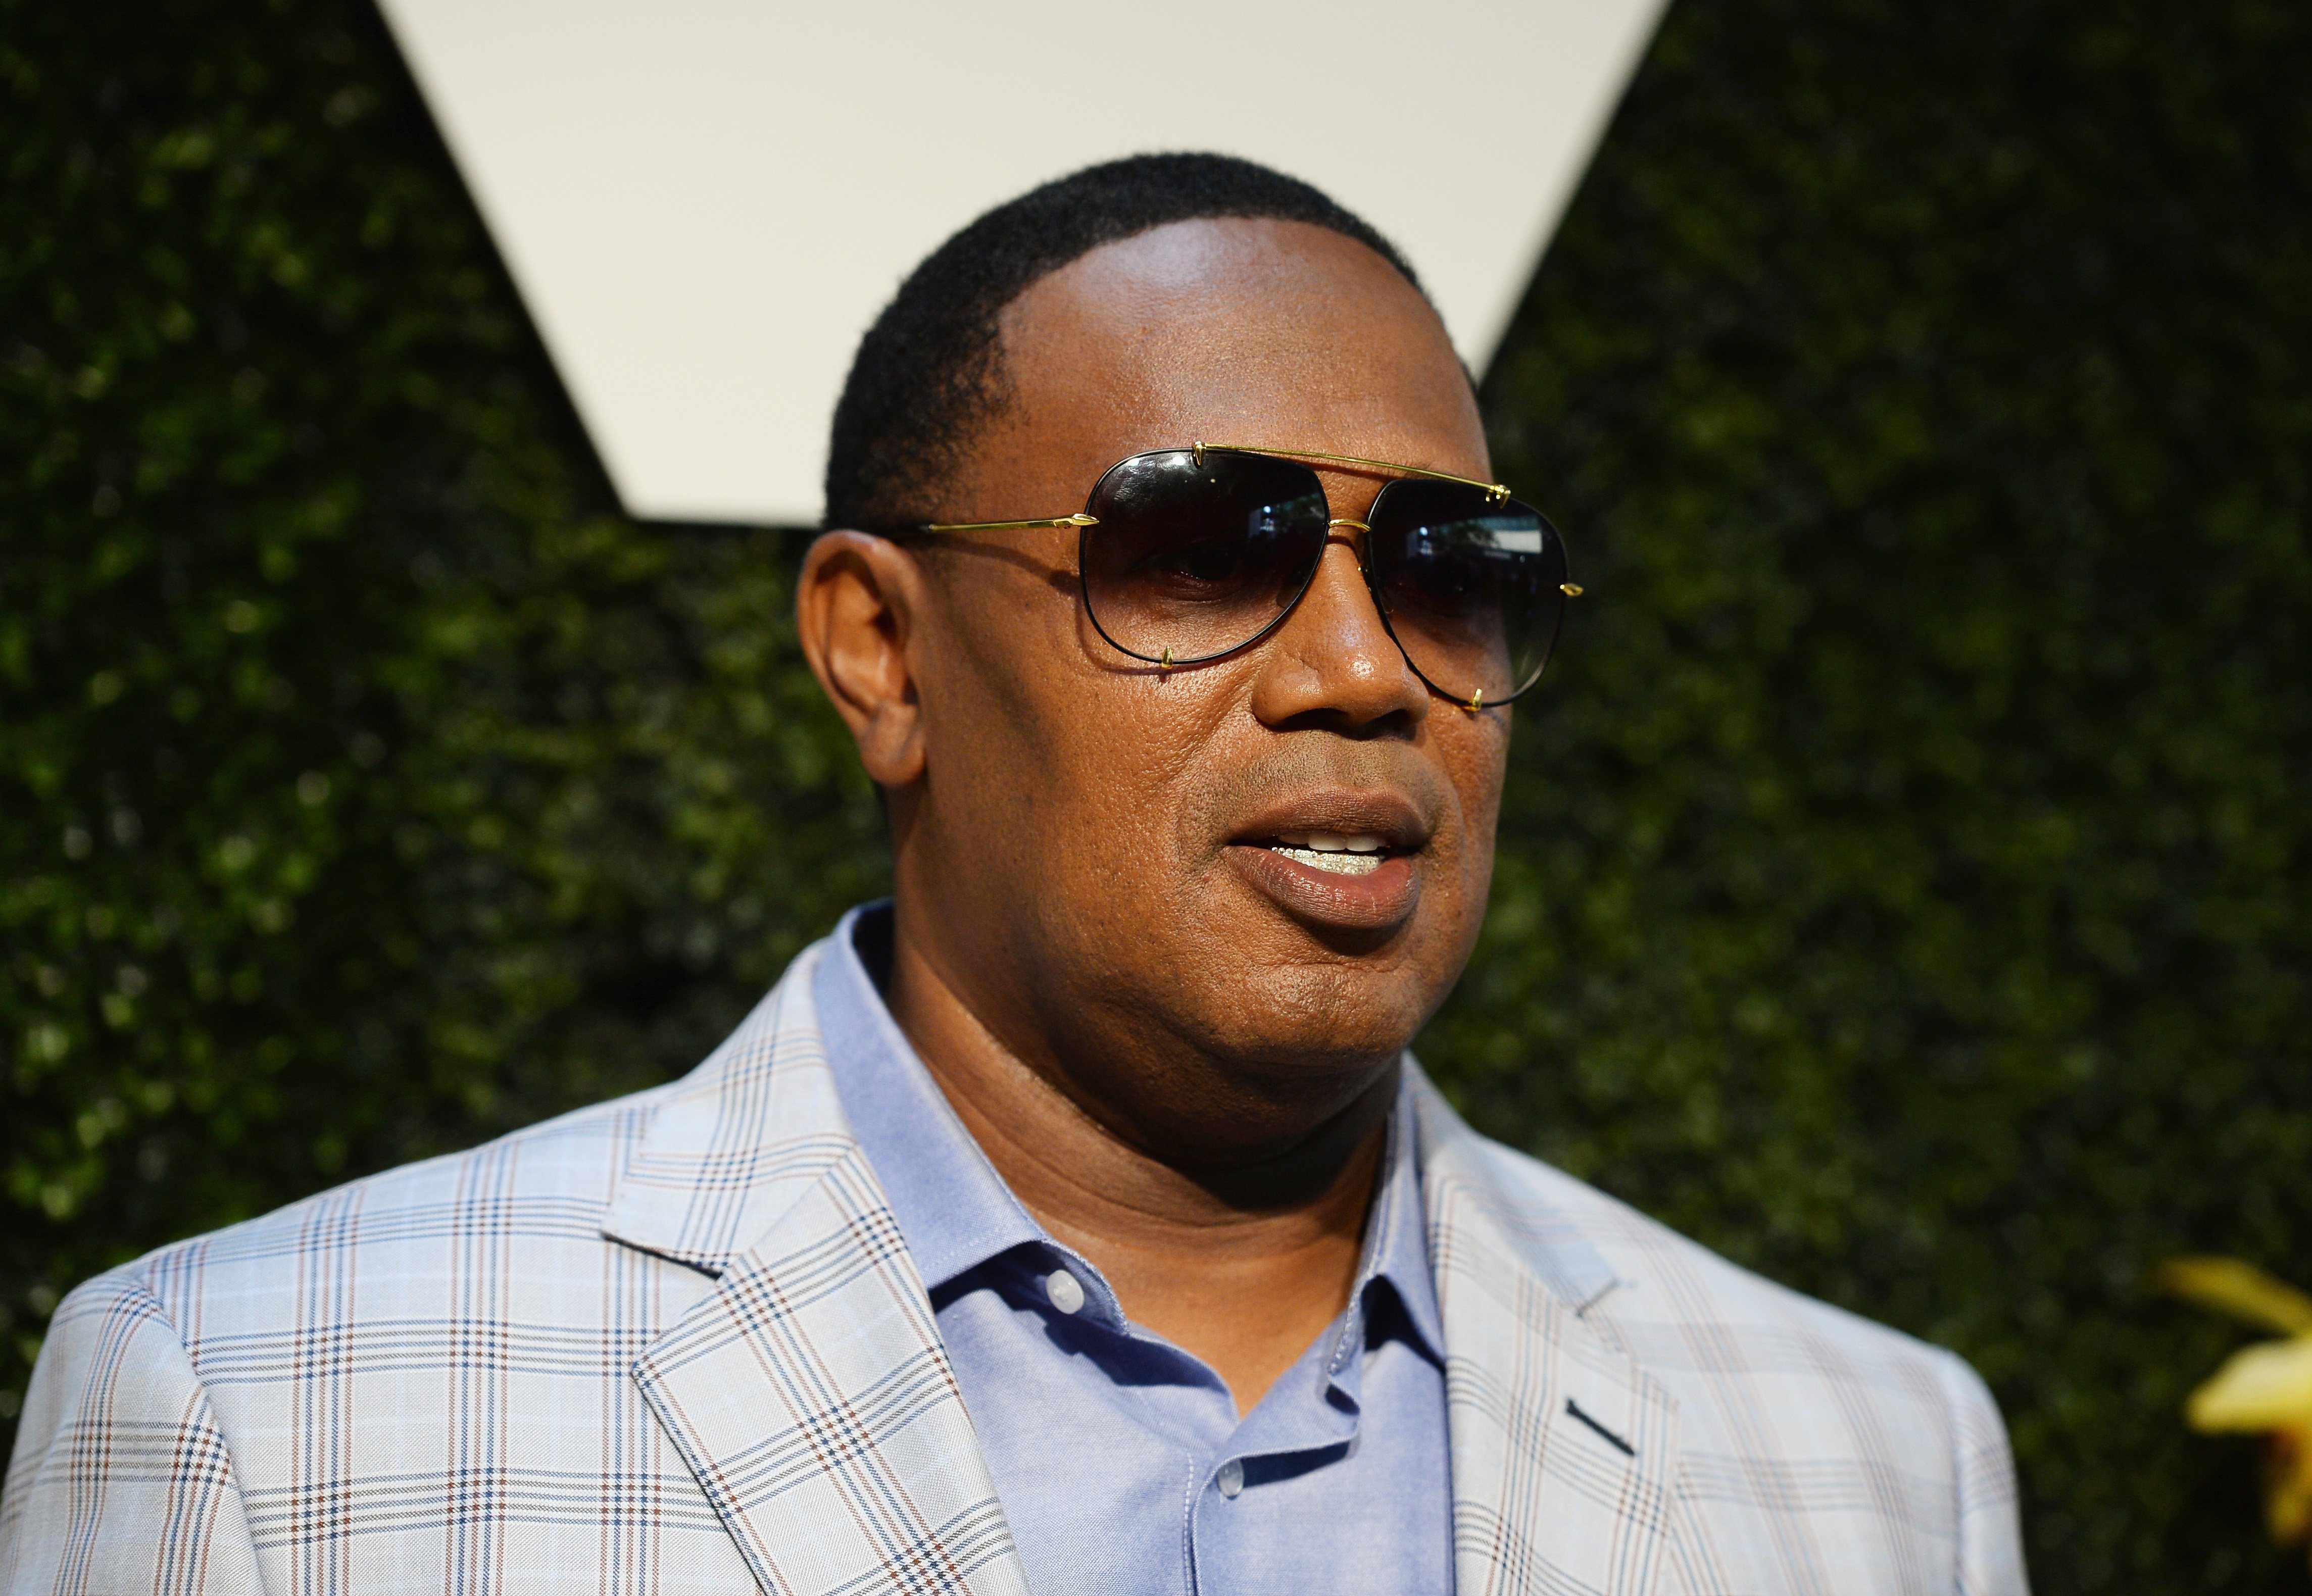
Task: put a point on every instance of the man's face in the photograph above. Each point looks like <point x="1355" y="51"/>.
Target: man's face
<point x="1087" y="853"/>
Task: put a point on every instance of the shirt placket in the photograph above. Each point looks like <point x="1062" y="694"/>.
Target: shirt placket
<point x="1314" y="1406"/>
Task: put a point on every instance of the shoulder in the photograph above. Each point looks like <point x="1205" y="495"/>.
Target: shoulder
<point x="517" y="1226"/>
<point x="149" y="1369"/>
<point x="1899" y="1445"/>
<point x="546" y="1185"/>
<point x="1660" y="1287"/>
<point x="1757" y="1368"/>
<point x="433" y="1239"/>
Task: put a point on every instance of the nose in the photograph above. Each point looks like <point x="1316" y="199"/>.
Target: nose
<point x="1333" y="662"/>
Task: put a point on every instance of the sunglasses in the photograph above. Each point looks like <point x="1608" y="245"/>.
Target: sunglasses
<point x="1189" y="555"/>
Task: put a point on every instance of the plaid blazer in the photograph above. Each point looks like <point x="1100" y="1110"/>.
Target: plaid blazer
<point x="675" y="1343"/>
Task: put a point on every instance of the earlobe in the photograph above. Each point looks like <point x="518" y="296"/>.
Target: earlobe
<point x="856" y="601"/>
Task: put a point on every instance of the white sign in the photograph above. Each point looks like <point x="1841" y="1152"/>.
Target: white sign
<point x="705" y="202"/>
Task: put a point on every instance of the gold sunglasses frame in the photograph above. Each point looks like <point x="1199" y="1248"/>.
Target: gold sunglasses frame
<point x="1497" y="491"/>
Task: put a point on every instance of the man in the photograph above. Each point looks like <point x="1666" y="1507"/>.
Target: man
<point x="1078" y="1221"/>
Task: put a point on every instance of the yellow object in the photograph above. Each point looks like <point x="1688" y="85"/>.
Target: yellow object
<point x="2264" y="1388"/>
<point x="2238" y="1290"/>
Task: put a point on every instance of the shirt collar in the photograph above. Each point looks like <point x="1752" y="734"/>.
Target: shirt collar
<point x="955" y="1211"/>
<point x="1397" y="1241"/>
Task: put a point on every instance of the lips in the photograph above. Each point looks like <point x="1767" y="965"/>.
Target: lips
<point x="1350" y="860"/>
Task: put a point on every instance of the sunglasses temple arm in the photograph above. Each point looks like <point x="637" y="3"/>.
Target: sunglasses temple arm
<point x="1066" y="521"/>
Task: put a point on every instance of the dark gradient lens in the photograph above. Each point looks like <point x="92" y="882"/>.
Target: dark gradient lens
<point x="1189" y="561"/>
<point x="1473" y="588"/>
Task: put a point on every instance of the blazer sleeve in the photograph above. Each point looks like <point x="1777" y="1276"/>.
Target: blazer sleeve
<point x="121" y="1480"/>
<point x="1990" y="1528"/>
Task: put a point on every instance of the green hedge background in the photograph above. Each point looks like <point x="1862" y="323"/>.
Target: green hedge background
<point x="1902" y="883"/>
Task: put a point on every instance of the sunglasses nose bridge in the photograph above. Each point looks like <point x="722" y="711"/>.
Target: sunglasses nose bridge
<point x="1358" y="536"/>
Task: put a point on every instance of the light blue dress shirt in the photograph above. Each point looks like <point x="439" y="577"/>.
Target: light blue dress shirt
<point x="1121" y="1461"/>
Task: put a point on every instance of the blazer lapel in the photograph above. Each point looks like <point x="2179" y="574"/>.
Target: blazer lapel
<point x="809" y="1393"/>
<point x="1562" y="1447"/>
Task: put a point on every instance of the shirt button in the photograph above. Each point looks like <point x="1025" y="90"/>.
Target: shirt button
<point x="1232" y="1479"/>
<point x="1065" y="1291"/>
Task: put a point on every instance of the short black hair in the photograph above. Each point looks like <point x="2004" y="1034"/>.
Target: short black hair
<point x="929" y="371"/>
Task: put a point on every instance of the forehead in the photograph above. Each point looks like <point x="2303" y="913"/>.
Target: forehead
<point x="1233" y="330"/>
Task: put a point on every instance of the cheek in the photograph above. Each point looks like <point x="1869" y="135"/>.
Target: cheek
<point x="1148" y="750"/>
<point x="1000" y="743"/>
<point x="1110" y="885"/>
<point x="1474" y="752"/>
<point x="1479" y="777"/>
<point x="1082" y="767"/>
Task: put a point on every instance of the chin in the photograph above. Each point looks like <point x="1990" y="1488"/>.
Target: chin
<point x="1296" y="1019"/>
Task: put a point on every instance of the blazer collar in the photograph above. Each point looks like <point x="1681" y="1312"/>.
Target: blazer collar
<point x="736" y="1142"/>
<point x="1564" y="1449"/>
<point x="809" y="1392"/>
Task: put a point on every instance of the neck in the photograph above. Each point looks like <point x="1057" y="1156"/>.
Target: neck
<point x="1242" y="1260"/>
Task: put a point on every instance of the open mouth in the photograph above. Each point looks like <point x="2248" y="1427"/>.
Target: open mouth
<point x="1342" y="859"/>
<point x="1338" y="853"/>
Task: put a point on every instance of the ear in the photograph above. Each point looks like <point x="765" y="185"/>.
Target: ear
<point x="856" y="604"/>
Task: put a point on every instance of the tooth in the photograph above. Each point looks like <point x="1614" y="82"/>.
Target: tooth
<point x="1335" y="842"/>
<point x="1334" y="861"/>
